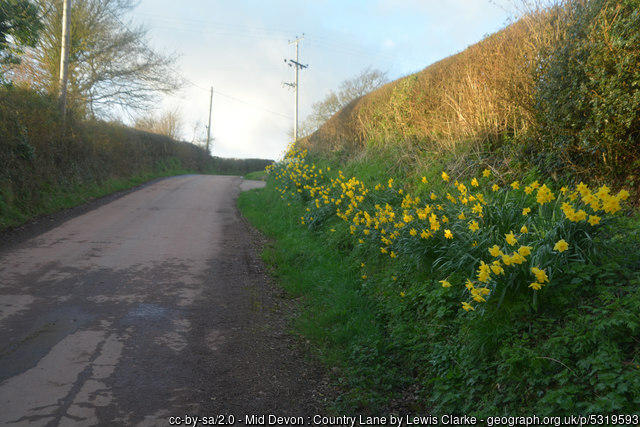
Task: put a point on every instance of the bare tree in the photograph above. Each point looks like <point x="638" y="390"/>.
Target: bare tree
<point x="368" y="80"/>
<point x="111" y="66"/>
<point x="168" y="123"/>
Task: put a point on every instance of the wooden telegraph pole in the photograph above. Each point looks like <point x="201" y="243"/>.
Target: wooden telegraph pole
<point x="64" y="56"/>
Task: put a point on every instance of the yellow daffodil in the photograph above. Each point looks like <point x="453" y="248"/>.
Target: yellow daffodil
<point x="524" y="250"/>
<point x="582" y="188"/>
<point x="496" y="267"/>
<point x="466" y="306"/>
<point x="473" y="226"/>
<point x="448" y="234"/>
<point x="536" y="286"/>
<point x="516" y="258"/>
<point x="445" y="177"/>
<point x="594" y="219"/>
<point x="495" y="187"/>
<point x="623" y="194"/>
<point x="486" y="173"/>
<point x="526" y="211"/>
<point x="610" y="204"/>
<point x="424" y="180"/>
<point x="462" y="216"/>
<point x="474" y="182"/>
<point x="541" y="275"/>
<point x="544" y="195"/>
<point x="561" y="246"/>
<point x="511" y="238"/>
<point x="495" y="251"/>
<point x="445" y="284"/>
<point x="524" y="229"/>
<point x="515" y="185"/>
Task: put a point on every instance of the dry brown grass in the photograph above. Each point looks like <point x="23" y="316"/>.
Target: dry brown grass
<point x="472" y="99"/>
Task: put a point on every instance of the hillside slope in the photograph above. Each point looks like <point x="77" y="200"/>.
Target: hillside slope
<point x="558" y="90"/>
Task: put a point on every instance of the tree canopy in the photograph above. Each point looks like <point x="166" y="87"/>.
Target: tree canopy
<point x="19" y="27"/>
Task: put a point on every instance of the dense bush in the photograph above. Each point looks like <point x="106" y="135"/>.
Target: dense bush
<point x="588" y="96"/>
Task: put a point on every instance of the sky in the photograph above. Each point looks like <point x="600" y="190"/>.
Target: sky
<point x="238" y="47"/>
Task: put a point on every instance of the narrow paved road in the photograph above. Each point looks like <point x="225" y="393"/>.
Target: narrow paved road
<point x="151" y="306"/>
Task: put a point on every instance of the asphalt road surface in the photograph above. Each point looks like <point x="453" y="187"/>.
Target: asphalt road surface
<point x="151" y="306"/>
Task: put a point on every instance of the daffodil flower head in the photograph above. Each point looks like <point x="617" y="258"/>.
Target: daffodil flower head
<point x="541" y="275"/>
<point x="495" y="251"/>
<point x="466" y="306"/>
<point x="536" y="286"/>
<point x="524" y="250"/>
<point x="561" y="246"/>
<point x="445" y="284"/>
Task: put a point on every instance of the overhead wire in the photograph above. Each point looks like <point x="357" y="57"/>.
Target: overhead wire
<point x="191" y="83"/>
<point x="233" y="30"/>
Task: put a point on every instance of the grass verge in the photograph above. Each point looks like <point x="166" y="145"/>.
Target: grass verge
<point x="399" y="342"/>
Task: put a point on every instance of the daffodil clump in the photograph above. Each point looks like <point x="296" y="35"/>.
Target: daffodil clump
<point x="482" y="236"/>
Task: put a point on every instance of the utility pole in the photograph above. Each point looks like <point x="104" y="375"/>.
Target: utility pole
<point x="298" y="66"/>
<point x="209" y="127"/>
<point x="64" y="55"/>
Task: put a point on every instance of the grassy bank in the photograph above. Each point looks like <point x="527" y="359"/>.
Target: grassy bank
<point x="551" y="330"/>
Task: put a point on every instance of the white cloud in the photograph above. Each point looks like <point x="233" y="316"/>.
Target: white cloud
<point x="238" y="48"/>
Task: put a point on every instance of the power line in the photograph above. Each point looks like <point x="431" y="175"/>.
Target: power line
<point x="258" y="107"/>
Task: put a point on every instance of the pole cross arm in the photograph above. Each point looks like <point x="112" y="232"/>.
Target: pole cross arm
<point x="299" y="65"/>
